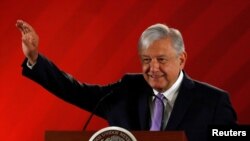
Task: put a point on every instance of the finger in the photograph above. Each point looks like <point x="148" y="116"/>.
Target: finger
<point x="27" y="27"/>
<point x="23" y="27"/>
<point x="19" y="25"/>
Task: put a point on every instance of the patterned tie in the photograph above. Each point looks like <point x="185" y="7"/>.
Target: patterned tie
<point x="158" y="113"/>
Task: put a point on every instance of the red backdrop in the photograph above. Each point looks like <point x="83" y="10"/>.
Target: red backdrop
<point x="96" y="42"/>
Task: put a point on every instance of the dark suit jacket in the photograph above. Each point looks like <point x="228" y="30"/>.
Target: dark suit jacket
<point x="127" y="104"/>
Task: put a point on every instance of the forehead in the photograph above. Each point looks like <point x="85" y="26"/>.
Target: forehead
<point x="159" y="47"/>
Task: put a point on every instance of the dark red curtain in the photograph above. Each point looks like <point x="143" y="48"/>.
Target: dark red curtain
<point x="96" y="42"/>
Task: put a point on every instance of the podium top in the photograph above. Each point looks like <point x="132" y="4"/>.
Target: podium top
<point x="139" y="135"/>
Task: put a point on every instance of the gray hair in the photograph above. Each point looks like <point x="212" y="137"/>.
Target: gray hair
<point x="160" y="31"/>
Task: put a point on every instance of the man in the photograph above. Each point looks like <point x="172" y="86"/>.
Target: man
<point x="163" y="97"/>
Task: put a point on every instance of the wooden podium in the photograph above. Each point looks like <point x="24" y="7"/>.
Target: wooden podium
<point x="139" y="135"/>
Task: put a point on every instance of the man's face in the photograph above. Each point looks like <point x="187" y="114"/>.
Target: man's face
<point x="161" y="65"/>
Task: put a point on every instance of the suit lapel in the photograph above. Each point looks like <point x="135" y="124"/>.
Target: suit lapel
<point x="182" y="103"/>
<point x="143" y="107"/>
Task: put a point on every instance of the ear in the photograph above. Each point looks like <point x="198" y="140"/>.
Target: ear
<point x="183" y="58"/>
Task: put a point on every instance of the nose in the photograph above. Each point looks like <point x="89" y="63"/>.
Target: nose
<point x="154" y="65"/>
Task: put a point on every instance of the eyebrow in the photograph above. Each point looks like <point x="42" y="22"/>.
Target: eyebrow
<point x="162" y="56"/>
<point x="156" y="56"/>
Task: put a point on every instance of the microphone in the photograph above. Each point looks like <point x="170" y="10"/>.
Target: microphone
<point x="163" y="110"/>
<point x="96" y="107"/>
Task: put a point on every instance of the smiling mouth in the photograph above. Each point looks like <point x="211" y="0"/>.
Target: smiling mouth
<point x="155" y="76"/>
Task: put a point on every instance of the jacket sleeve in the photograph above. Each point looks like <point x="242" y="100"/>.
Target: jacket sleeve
<point x="65" y="86"/>
<point x="225" y="114"/>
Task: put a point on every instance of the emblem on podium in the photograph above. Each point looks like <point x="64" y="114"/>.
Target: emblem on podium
<point x="113" y="133"/>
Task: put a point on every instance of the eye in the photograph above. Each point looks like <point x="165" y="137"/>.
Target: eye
<point x="162" y="60"/>
<point x="146" y="60"/>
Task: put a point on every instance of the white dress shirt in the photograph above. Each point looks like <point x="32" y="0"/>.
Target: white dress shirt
<point x="169" y="99"/>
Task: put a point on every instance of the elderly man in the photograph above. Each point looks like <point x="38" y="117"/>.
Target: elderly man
<point x="163" y="97"/>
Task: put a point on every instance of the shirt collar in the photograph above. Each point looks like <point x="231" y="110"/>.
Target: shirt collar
<point x="169" y="93"/>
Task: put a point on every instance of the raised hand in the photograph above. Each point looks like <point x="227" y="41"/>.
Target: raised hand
<point x="30" y="41"/>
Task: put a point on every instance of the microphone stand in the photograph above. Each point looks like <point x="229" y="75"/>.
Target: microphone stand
<point x="96" y="107"/>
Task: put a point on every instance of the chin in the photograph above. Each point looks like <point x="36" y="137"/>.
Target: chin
<point x="158" y="88"/>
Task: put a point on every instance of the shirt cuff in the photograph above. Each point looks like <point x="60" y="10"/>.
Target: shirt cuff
<point x="30" y="66"/>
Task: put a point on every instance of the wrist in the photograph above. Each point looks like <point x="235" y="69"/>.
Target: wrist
<point x="32" y="60"/>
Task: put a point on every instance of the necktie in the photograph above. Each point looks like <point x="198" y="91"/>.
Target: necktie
<point x="158" y="113"/>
